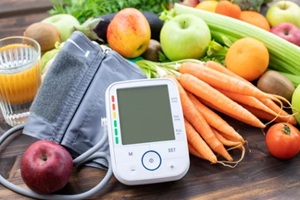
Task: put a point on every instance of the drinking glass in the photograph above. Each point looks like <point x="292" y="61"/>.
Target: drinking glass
<point x="20" y="77"/>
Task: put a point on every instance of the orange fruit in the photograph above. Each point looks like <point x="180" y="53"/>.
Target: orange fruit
<point x="256" y="19"/>
<point x="248" y="58"/>
<point x="208" y="5"/>
<point x="229" y="9"/>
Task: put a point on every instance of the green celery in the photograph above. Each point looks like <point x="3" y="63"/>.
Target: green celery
<point x="215" y="52"/>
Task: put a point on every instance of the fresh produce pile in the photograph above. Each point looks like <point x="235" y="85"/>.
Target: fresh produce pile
<point x="226" y="57"/>
<point x="207" y="89"/>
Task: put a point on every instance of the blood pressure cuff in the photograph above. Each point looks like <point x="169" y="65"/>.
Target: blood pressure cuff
<point x="71" y="100"/>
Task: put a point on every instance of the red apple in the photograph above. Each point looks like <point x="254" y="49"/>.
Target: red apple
<point x="191" y="3"/>
<point x="287" y="31"/>
<point x="46" y="166"/>
<point x="129" y="33"/>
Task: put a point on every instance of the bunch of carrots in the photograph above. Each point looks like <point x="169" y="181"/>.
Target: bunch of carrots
<point x="207" y="87"/>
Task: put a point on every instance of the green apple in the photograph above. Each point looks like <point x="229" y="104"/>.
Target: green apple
<point x="185" y="36"/>
<point x="296" y="103"/>
<point x="65" y="23"/>
<point x="283" y="11"/>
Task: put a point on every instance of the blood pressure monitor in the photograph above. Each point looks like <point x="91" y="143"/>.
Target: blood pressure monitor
<point x="146" y="132"/>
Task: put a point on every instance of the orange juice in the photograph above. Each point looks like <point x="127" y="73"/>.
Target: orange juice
<point x="20" y="78"/>
<point x="20" y="87"/>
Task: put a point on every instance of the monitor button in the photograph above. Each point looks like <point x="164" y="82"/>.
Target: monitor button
<point x="151" y="160"/>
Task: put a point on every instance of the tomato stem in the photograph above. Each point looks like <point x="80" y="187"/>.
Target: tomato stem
<point x="286" y="129"/>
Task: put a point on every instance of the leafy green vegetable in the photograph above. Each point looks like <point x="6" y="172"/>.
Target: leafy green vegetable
<point x="85" y="9"/>
<point x="167" y="14"/>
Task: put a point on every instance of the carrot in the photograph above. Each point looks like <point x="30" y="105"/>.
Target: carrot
<point x="232" y="145"/>
<point x="194" y="152"/>
<point x="225" y="141"/>
<point x="218" y="100"/>
<point x="214" y="120"/>
<point x="221" y="68"/>
<point x="284" y="116"/>
<point x="249" y="100"/>
<point x="224" y="81"/>
<point x="199" y="146"/>
<point x="228" y="137"/>
<point x="212" y="106"/>
<point x="200" y="124"/>
<point x="264" y="115"/>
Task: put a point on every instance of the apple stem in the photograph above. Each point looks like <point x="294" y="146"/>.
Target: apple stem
<point x="284" y="5"/>
<point x="184" y="25"/>
<point x="44" y="157"/>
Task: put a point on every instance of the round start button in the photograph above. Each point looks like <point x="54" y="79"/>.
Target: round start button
<point x="151" y="160"/>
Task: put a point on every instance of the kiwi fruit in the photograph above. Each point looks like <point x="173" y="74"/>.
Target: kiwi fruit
<point x="44" y="33"/>
<point x="273" y="82"/>
<point x="152" y="51"/>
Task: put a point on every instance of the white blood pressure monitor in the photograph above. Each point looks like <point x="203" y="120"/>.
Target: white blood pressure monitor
<point x="146" y="131"/>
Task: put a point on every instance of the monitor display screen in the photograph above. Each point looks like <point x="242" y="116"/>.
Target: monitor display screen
<point x="145" y="114"/>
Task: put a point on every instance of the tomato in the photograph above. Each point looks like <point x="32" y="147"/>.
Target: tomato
<point x="283" y="140"/>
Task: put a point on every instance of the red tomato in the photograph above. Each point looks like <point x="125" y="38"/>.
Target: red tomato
<point x="283" y="140"/>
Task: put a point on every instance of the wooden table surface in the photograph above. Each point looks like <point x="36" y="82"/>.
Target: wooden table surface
<point x="258" y="176"/>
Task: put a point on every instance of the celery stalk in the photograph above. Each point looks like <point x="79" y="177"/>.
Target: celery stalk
<point x="284" y="56"/>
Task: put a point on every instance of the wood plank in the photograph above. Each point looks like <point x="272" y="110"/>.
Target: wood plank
<point x="16" y="25"/>
<point x="16" y="7"/>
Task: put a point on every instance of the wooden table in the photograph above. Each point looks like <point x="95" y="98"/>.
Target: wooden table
<point x="258" y="176"/>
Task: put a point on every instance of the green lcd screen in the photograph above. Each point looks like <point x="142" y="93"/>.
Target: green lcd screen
<point x="145" y="114"/>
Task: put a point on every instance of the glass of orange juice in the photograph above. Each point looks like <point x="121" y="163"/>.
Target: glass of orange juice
<point x="20" y="77"/>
